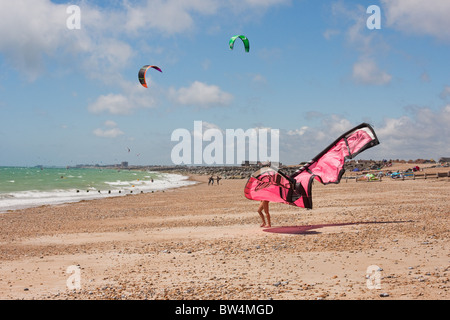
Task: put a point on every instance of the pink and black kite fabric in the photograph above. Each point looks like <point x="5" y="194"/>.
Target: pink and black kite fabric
<point x="327" y="167"/>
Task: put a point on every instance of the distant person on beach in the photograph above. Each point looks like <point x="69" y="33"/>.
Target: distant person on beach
<point x="218" y="179"/>
<point x="264" y="205"/>
<point x="211" y="180"/>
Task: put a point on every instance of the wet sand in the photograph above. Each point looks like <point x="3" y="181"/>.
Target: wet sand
<point x="204" y="242"/>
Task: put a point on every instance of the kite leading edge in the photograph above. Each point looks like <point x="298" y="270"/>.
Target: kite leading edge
<point x="244" y="40"/>
<point x="143" y="71"/>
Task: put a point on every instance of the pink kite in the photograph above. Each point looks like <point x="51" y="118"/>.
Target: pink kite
<point x="327" y="167"/>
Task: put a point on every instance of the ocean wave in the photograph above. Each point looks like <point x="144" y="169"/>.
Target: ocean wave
<point x="6" y="196"/>
<point x="34" y="198"/>
<point x="117" y="183"/>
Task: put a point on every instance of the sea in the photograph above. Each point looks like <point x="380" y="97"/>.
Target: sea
<point x="24" y="187"/>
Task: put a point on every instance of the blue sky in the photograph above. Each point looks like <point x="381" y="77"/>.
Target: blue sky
<point x="314" y="70"/>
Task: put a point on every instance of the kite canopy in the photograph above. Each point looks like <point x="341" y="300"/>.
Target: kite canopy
<point x="244" y="40"/>
<point x="143" y="71"/>
<point x="327" y="167"/>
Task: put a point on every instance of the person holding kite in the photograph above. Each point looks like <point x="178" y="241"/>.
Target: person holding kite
<point x="270" y="184"/>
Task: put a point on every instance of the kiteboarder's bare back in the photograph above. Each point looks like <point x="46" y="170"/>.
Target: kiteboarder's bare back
<point x="264" y="205"/>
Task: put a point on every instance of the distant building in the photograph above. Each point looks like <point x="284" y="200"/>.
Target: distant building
<point x="444" y="159"/>
<point x="124" y="164"/>
<point x="247" y="163"/>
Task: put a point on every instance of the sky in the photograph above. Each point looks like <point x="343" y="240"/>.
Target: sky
<point x="69" y="89"/>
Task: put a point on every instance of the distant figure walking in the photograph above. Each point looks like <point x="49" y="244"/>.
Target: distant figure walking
<point x="211" y="180"/>
<point x="218" y="179"/>
<point x="264" y="206"/>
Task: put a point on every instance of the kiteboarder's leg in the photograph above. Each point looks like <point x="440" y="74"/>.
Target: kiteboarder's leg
<point x="266" y="210"/>
<point x="260" y="209"/>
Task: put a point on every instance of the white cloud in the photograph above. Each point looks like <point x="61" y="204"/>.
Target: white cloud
<point x="297" y="132"/>
<point x="367" y="72"/>
<point x="172" y="16"/>
<point x="263" y="3"/>
<point x="30" y="30"/>
<point x="178" y="16"/>
<point x="113" y="132"/>
<point x="421" y="133"/>
<point x="297" y="145"/>
<point x="112" y="103"/>
<point x="133" y="97"/>
<point x="106" y="59"/>
<point x="110" y="124"/>
<point x="424" y="134"/>
<point x="120" y="104"/>
<point x="419" y="17"/>
<point x="200" y="94"/>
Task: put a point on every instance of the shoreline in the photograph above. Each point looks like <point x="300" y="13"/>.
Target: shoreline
<point x="244" y="172"/>
<point x="74" y="195"/>
<point x="204" y="242"/>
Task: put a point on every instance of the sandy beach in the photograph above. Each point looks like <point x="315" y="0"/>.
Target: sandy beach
<point x="204" y="242"/>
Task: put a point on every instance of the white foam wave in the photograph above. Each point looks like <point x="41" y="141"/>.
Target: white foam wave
<point x="26" y="199"/>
